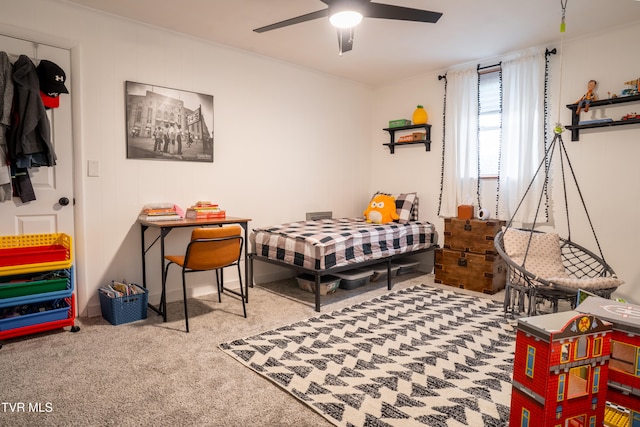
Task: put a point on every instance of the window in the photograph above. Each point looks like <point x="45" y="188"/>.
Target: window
<point x="525" y="418"/>
<point x="597" y="347"/>
<point x="139" y="114"/>
<point x="565" y="352"/>
<point x="531" y="359"/>
<point x="489" y="120"/>
<point x="578" y="421"/>
<point x="578" y="381"/>
<point x="506" y="104"/>
<point x="596" y="380"/>
<point x="624" y="357"/>
<point x="582" y="346"/>
<point x="561" y="381"/>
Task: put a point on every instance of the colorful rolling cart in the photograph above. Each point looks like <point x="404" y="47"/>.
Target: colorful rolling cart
<point x="36" y="284"/>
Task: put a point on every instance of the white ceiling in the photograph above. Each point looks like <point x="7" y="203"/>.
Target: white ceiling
<point x="384" y="50"/>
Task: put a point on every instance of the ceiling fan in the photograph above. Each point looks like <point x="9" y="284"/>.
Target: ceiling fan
<point x="346" y="14"/>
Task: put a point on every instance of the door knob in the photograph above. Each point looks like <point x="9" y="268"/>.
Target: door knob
<point x="64" y="201"/>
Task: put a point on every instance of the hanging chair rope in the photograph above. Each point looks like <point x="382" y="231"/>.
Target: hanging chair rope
<point x="563" y="26"/>
<point x="584" y="205"/>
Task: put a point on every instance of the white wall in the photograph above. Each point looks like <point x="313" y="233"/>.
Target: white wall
<point x="288" y="140"/>
<point x="605" y="160"/>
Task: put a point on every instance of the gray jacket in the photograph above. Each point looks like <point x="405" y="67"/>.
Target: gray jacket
<point x="30" y="138"/>
<point x="6" y="101"/>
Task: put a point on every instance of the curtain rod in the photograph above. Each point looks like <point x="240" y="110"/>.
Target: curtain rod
<point x="547" y="52"/>
<point x="490" y="66"/>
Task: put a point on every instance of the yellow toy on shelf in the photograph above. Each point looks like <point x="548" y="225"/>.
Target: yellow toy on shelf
<point x="420" y="116"/>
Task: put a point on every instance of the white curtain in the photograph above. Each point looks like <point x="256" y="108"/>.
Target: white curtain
<point x="460" y="149"/>
<point x="522" y="147"/>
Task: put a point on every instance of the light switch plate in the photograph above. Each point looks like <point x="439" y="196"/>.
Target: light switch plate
<point x="93" y="168"/>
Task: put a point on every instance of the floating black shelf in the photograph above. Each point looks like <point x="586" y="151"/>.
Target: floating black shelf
<point x="575" y="118"/>
<point x="393" y="144"/>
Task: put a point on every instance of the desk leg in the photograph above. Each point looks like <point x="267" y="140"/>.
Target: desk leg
<point x="163" y="299"/>
<point x="245" y="226"/>
<point x="246" y="267"/>
<point x="143" y="228"/>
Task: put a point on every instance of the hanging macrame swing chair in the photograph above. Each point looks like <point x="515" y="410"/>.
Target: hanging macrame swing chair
<point x="544" y="267"/>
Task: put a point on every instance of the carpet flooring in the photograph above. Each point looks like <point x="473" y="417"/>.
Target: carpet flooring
<point x="421" y="356"/>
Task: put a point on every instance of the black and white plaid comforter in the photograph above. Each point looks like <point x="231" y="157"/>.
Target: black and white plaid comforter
<point x="328" y="243"/>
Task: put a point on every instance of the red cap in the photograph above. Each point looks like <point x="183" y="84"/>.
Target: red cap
<point x="50" y="101"/>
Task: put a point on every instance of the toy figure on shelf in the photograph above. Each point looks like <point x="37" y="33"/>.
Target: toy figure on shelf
<point x="586" y="99"/>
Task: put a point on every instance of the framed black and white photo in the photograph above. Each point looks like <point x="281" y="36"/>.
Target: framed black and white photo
<point x="168" y="124"/>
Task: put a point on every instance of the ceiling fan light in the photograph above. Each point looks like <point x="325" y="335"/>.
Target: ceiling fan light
<point x="345" y="19"/>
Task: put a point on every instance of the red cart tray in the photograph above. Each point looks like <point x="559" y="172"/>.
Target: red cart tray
<point x="30" y="253"/>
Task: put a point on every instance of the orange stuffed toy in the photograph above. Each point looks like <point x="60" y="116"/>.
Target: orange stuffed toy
<point x="381" y="210"/>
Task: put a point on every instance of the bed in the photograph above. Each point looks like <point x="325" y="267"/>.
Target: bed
<point x="328" y="246"/>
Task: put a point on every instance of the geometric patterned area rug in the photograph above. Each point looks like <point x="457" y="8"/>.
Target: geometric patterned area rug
<point x="417" y="357"/>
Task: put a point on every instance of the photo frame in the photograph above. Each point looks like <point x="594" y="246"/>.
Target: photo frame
<point x="168" y="124"/>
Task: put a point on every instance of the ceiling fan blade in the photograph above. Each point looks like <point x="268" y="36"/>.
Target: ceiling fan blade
<point x="387" y="11"/>
<point x="345" y="39"/>
<point x="303" y="18"/>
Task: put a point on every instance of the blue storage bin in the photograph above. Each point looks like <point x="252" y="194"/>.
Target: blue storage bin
<point x="61" y="313"/>
<point x="124" y="309"/>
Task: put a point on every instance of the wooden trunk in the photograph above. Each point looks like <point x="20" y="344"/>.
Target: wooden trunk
<point x="466" y="270"/>
<point x="471" y="235"/>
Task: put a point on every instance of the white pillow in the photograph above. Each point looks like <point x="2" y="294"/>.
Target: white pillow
<point x="544" y="258"/>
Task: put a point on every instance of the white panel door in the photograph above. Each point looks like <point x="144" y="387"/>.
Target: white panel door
<point x="53" y="186"/>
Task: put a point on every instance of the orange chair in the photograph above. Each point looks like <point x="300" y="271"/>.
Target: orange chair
<point x="210" y="249"/>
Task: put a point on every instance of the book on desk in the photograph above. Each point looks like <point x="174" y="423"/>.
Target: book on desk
<point x="160" y="212"/>
<point x="157" y="212"/>
<point x="205" y="210"/>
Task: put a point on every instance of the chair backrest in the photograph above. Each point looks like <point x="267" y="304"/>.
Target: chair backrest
<point x="214" y="247"/>
<point x="581" y="267"/>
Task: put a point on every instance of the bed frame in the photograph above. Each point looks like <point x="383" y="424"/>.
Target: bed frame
<point x="318" y="273"/>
